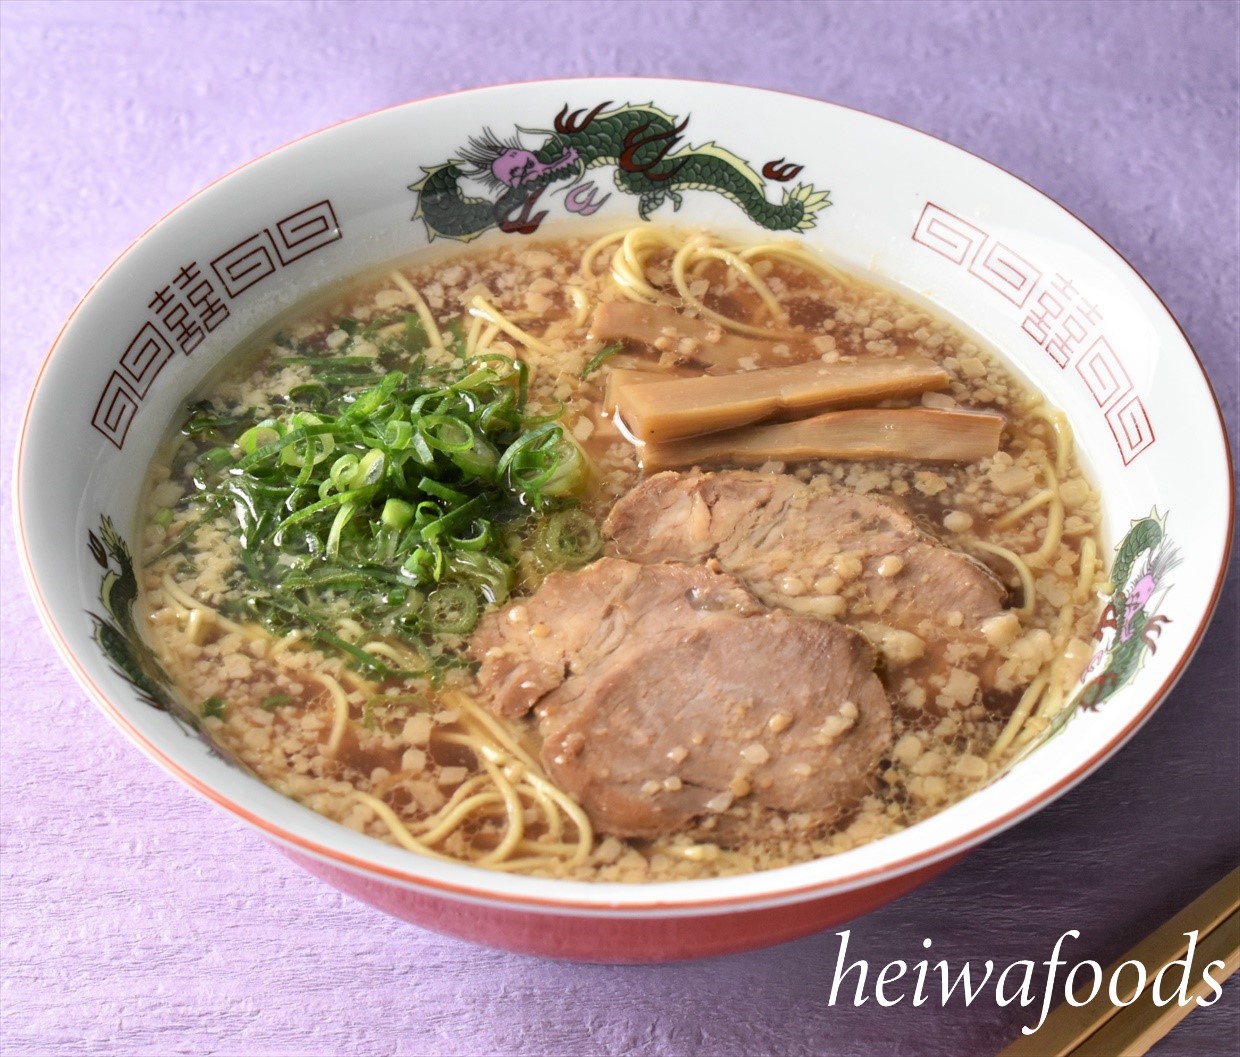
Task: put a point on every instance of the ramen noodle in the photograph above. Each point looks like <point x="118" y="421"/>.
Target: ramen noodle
<point x="340" y="537"/>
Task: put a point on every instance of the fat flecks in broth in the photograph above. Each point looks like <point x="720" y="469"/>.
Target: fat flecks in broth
<point x="330" y="524"/>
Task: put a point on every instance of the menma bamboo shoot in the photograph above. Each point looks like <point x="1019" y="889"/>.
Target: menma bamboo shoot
<point x="689" y="407"/>
<point x="917" y="434"/>
<point x="658" y="325"/>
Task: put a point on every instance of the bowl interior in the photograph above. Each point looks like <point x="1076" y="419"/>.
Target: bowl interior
<point x="1061" y="307"/>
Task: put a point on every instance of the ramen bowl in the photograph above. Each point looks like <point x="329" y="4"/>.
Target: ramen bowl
<point x="1063" y="309"/>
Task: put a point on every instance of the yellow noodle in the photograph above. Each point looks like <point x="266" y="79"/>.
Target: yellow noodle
<point x="796" y="255"/>
<point x="194" y="625"/>
<point x="471" y="338"/>
<point x="488" y="336"/>
<point x="1058" y="422"/>
<point x="285" y="642"/>
<point x="679" y="262"/>
<point x="466" y="788"/>
<point x="555" y="824"/>
<point x="533" y="775"/>
<point x="1089" y="566"/>
<point x="1023" y="709"/>
<point x="355" y="680"/>
<point x="516" y="814"/>
<point x="190" y="604"/>
<point x="628" y="264"/>
<point x="581" y="303"/>
<point x="452" y="821"/>
<point x="1030" y="732"/>
<point x="479" y="307"/>
<point x="1028" y="506"/>
<point x="1054" y="522"/>
<point x="420" y="307"/>
<point x="395" y="825"/>
<point x="1052" y="701"/>
<point x="457" y="699"/>
<point x="349" y="629"/>
<point x="702" y="254"/>
<point x="391" y="652"/>
<point x="1018" y="563"/>
<point x="585" y="831"/>
<point x="340" y="718"/>
<point x="586" y="267"/>
<point x="493" y="759"/>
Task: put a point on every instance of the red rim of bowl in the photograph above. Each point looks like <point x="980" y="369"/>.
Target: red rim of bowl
<point x="956" y="846"/>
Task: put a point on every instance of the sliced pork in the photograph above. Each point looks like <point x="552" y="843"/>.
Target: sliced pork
<point x="826" y="553"/>
<point x="666" y="692"/>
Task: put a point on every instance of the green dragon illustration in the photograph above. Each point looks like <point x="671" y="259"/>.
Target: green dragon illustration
<point x="1129" y="626"/>
<point x="641" y="141"/>
<point x="119" y="638"/>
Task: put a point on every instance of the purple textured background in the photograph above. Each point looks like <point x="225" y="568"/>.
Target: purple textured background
<point x="138" y="919"/>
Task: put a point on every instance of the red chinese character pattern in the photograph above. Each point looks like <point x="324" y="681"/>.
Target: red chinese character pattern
<point x="1041" y="319"/>
<point x="305" y="231"/>
<point x="247" y="263"/>
<point x="1131" y="428"/>
<point x="145" y="358"/>
<point x="201" y="295"/>
<point x="1056" y="316"/>
<point x="194" y="304"/>
<point x="115" y="411"/>
<point x="947" y="234"/>
<point x="1061" y="331"/>
<point x="1006" y="272"/>
<point x="1103" y="374"/>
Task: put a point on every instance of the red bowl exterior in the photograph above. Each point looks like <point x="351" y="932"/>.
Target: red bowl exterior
<point x="625" y="939"/>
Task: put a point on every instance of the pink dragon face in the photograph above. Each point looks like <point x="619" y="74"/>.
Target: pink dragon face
<point x="1141" y="591"/>
<point x="514" y="166"/>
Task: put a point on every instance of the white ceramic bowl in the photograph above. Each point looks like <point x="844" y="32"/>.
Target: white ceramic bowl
<point x="1065" y="310"/>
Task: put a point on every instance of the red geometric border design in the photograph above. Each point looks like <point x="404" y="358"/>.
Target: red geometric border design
<point x="1103" y="373"/>
<point x="1130" y="426"/>
<point x="145" y="358"/>
<point x="1006" y="272"/>
<point x="947" y="234"/>
<point x="306" y="230"/>
<point x="248" y="262"/>
<point x="115" y="411"/>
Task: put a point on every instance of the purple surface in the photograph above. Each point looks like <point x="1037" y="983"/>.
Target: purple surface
<point x="139" y="919"/>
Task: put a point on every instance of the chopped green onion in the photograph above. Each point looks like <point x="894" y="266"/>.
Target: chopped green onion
<point x="397" y="434"/>
<point x="452" y="609"/>
<point x="396" y="513"/>
<point x="369" y="469"/>
<point x="569" y="537"/>
<point x="392" y="499"/>
<point x="214" y="458"/>
<point x="263" y="435"/>
<point x="601" y="357"/>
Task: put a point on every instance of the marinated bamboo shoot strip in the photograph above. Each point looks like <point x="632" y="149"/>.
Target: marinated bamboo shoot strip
<point x="621" y="376"/>
<point x="649" y="323"/>
<point x="689" y="407"/>
<point x="915" y="433"/>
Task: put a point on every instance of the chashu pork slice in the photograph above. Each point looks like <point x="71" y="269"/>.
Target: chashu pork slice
<point x="666" y="692"/>
<point x="829" y="553"/>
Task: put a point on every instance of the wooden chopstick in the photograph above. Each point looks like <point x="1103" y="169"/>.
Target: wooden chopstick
<point x="1137" y="1027"/>
<point x="1100" y="1027"/>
